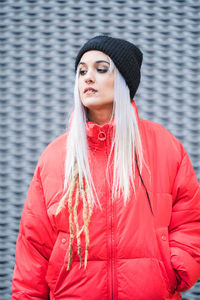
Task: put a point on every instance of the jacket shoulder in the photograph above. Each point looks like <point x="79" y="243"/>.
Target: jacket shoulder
<point x="53" y="155"/>
<point x="161" y="141"/>
<point x="57" y="145"/>
<point x="156" y="130"/>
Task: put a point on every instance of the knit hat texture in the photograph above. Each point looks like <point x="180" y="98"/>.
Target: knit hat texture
<point x="126" y="56"/>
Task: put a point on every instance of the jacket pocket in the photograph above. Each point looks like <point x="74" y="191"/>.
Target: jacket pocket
<point x="58" y="259"/>
<point x="166" y="266"/>
<point x="57" y="266"/>
<point x="163" y="211"/>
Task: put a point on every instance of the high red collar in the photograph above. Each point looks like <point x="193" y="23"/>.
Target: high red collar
<point x="101" y="134"/>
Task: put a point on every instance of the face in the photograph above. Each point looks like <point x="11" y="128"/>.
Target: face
<point x="95" y="81"/>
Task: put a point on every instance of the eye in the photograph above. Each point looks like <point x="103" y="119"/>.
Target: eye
<point x="82" y="72"/>
<point x="102" y="70"/>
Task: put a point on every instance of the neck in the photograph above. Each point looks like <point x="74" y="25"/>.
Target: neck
<point x="100" y="116"/>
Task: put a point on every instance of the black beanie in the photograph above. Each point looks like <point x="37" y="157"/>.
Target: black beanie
<point x="125" y="55"/>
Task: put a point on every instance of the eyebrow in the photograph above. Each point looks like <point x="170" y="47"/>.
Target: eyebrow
<point x="97" y="62"/>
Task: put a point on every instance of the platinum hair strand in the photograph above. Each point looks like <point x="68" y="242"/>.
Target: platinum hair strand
<point x="77" y="148"/>
<point x="126" y="140"/>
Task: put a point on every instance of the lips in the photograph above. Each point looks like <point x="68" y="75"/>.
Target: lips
<point x="89" y="90"/>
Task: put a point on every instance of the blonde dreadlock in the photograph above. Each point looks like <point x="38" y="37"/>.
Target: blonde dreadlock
<point x="82" y="192"/>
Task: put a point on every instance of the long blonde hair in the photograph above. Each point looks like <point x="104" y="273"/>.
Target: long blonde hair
<point x="126" y="141"/>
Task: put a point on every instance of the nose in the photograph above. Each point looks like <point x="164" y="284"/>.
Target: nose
<point x="89" y="76"/>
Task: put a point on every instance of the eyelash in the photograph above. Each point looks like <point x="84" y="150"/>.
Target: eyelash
<point x="100" y="70"/>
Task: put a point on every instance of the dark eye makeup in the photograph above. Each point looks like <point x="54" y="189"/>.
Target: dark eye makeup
<point x="99" y="70"/>
<point x="102" y="70"/>
<point x="82" y="72"/>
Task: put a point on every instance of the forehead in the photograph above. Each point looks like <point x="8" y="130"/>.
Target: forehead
<point x="93" y="55"/>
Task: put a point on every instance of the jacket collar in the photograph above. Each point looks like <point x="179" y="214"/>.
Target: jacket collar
<point x="99" y="135"/>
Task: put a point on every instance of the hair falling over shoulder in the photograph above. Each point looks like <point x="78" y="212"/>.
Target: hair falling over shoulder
<point x="78" y="179"/>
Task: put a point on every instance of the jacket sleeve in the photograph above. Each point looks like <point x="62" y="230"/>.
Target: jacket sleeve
<point x="184" y="230"/>
<point x="33" y="248"/>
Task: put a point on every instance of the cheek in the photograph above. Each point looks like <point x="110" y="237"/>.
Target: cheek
<point x="80" y="89"/>
<point x="81" y="95"/>
<point x="79" y="86"/>
<point x="80" y="82"/>
<point x="110" y="82"/>
<point x="108" y="85"/>
<point x="110" y="89"/>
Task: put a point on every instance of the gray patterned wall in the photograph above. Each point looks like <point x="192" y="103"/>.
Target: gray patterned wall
<point x="38" y="43"/>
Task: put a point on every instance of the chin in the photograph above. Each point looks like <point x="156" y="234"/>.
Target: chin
<point x="91" y="102"/>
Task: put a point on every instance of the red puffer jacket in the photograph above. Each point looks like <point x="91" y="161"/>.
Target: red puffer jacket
<point x="133" y="253"/>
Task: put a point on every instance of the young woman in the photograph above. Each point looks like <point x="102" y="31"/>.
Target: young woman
<point x="113" y="210"/>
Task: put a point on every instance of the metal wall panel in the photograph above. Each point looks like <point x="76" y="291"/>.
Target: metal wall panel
<point x="38" y="44"/>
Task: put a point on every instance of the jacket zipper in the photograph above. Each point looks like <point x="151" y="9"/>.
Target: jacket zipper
<point x="111" y="244"/>
<point x="111" y="250"/>
<point x="111" y="232"/>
